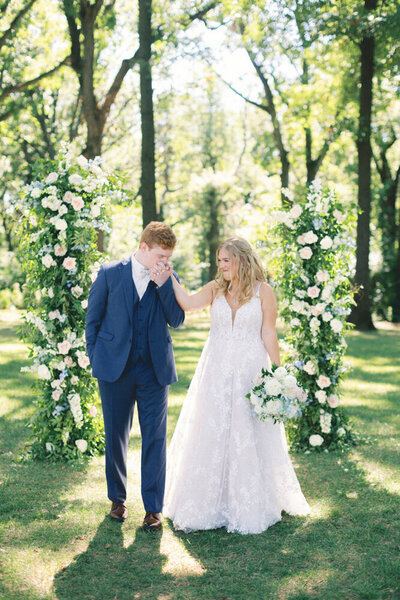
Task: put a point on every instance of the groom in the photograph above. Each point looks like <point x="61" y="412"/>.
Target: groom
<point x="130" y="351"/>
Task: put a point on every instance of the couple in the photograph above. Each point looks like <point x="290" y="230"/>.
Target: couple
<point x="225" y="467"/>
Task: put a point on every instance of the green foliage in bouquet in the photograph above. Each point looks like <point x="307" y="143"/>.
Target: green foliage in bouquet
<point x="60" y="215"/>
<point x="313" y="258"/>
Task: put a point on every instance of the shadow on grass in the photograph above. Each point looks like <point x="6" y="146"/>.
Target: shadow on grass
<point x="109" y="570"/>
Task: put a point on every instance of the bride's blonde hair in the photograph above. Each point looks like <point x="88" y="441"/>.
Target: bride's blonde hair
<point x="248" y="268"/>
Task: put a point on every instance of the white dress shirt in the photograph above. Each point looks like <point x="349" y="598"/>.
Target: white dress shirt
<point x="141" y="276"/>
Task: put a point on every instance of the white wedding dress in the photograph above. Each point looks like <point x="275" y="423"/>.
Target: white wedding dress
<point x="225" y="468"/>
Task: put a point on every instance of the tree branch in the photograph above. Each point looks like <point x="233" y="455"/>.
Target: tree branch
<point x="14" y="23"/>
<point x="25" y="84"/>
<point x="125" y="67"/>
<point x="200" y="14"/>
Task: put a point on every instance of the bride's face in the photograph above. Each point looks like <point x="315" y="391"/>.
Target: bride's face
<point x="226" y="265"/>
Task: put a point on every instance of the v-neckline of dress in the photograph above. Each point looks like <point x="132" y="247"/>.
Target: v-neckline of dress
<point x="233" y="314"/>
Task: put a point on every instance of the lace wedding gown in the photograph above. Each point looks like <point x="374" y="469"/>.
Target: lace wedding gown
<point x="226" y="468"/>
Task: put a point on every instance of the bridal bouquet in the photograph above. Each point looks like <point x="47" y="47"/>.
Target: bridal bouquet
<point x="276" y="395"/>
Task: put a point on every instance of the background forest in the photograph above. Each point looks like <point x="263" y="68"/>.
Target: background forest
<point x="212" y="114"/>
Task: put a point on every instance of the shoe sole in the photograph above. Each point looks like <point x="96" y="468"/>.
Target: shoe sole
<point x="120" y="519"/>
<point x="146" y="527"/>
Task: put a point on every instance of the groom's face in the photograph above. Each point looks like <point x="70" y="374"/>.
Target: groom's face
<point x="154" y="255"/>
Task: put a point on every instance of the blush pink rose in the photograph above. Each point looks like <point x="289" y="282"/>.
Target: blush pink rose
<point x="333" y="401"/>
<point x="313" y="291"/>
<point x="69" y="263"/>
<point x="77" y="203"/>
<point x="64" y="347"/>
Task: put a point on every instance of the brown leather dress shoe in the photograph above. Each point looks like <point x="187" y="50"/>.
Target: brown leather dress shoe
<point x="152" y="521"/>
<point x="118" y="511"/>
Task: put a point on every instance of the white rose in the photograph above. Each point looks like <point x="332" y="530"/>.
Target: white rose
<point x="333" y="401"/>
<point x="84" y="303"/>
<point x="327" y="316"/>
<point x="316" y="440"/>
<point x="341" y="431"/>
<point x="82" y="161"/>
<point x="309" y="368"/>
<point x="313" y="291"/>
<point x="290" y="381"/>
<point x="314" y="323"/>
<point x="280" y="373"/>
<point x="301" y="240"/>
<point x="51" y="178"/>
<point x="258" y="379"/>
<point x="68" y="197"/>
<point x="62" y="209"/>
<point x="56" y="395"/>
<point x="83" y="362"/>
<point x="272" y="387"/>
<point x="48" y="260"/>
<point x="326" y="242"/>
<point x="69" y="263"/>
<point x="92" y="410"/>
<point x="95" y="210"/>
<point x="44" y="372"/>
<point x="322" y="276"/>
<point x="54" y="314"/>
<point x="310" y="237"/>
<point x="36" y="192"/>
<point x="325" y="422"/>
<point x="336" y="325"/>
<point x="305" y="253"/>
<point x="76" y="291"/>
<point x="81" y="445"/>
<point x="59" y="250"/>
<point x="295" y="211"/>
<point x="339" y="216"/>
<point x="64" y="347"/>
<point x="77" y="203"/>
<point x="295" y="322"/>
<point x="323" y="381"/>
<point x="61" y="224"/>
<point x="321" y="396"/>
<point x="75" y="179"/>
<point x="255" y="400"/>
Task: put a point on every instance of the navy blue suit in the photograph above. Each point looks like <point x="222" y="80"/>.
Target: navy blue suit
<point x="130" y="351"/>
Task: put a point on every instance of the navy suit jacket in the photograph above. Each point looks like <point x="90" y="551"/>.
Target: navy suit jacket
<point x="109" y="326"/>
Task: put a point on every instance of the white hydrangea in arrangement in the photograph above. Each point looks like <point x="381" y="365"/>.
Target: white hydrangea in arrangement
<point x="61" y="214"/>
<point x="312" y="258"/>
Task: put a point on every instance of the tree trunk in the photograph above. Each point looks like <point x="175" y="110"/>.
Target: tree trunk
<point x="147" y="182"/>
<point x="361" y="313"/>
<point x="212" y="234"/>
<point x="396" y="302"/>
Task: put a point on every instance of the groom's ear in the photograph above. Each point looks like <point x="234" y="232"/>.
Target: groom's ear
<point x="144" y="247"/>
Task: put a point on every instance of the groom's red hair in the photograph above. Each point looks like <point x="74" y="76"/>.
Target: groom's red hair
<point x="160" y="234"/>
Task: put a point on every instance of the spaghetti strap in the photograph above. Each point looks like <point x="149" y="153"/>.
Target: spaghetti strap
<point x="257" y="294"/>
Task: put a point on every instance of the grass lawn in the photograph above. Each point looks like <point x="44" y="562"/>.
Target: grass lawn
<point x="57" y="542"/>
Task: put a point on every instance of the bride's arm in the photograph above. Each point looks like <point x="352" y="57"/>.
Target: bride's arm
<point x="268" y="331"/>
<point x="195" y="301"/>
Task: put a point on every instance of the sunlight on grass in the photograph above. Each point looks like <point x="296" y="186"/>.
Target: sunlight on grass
<point x="180" y="563"/>
<point x="306" y="582"/>
<point x="379" y="473"/>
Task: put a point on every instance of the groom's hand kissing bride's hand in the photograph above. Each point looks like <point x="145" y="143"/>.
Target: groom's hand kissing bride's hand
<point x="160" y="273"/>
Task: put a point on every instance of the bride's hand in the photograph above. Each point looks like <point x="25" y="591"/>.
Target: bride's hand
<point x="160" y="272"/>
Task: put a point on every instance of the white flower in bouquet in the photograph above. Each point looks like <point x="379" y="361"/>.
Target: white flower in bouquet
<point x="291" y="411"/>
<point x="280" y="373"/>
<point x="274" y="407"/>
<point x="272" y="386"/>
<point x="77" y="203"/>
<point x="81" y="445"/>
<point x="305" y="253"/>
<point x="341" y="431"/>
<point x="69" y="263"/>
<point x="64" y="347"/>
<point x="336" y="325"/>
<point x="48" y="261"/>
<point x="82" y="161"/>
<point x="327" y="316"/>
<point x="321" y="396"/>
<point x="60" y="250"/>
<point x="325" y="422"/>
<point x="44" y="372"/>
<point x="289" y="381"/>
<point x="310" y="237"/>
<point x="313" y="291"/>
<point x="322" y="276"/>
<point x="333" y="401"/>
<point x="323" y="381"/>
<point x="317" y="309"/>
<point x="51" y="178"/>
<point x="309" y="368"/>
<point x="255" y="399"/>
<point x="76" y="291"/>
<point x="295" y="322"/>
<point x="75" y="179"/>
<point x="84" y="303"/>
<point x="326" y="242"/>
<point x="316" y="440"/>
<point x="258" y="379"/>
<point x="56" y="383"/>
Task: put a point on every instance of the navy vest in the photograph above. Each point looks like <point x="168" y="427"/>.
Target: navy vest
<point x="140" y="338"/>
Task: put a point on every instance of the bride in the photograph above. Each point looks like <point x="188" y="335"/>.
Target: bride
<point x="226" y="468"/>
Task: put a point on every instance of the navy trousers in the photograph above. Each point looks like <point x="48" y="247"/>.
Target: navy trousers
<point x="136" y="384"/>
